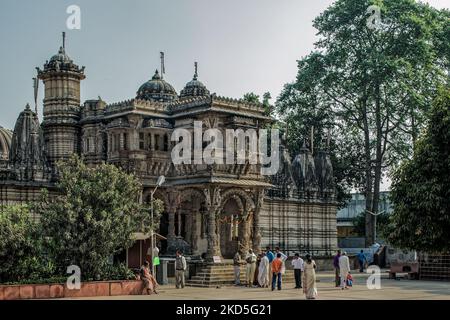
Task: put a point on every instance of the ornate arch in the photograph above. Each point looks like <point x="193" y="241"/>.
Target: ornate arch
<point x="236" y="198"/>
<point x="249" y="203"/>
<point x="188" y="194"/>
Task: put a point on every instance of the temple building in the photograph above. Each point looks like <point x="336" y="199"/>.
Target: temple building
<point x="209" y="210"/>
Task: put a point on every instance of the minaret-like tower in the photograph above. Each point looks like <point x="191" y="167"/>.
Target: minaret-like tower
<point x="61" y="79"/>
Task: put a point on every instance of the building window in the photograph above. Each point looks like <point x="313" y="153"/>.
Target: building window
<point x="157" y="142"/>
<point x="116" y="142"/>
<point x="141" y="141"/>
<point x="166" y="142"/>
<point x="125" y="141"/>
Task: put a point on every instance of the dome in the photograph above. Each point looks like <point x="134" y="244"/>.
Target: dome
<point x="61" y="57"/>
<point x="156" y="90"/>
<point x="5" y="143"/>
<point x="194" y="88"/>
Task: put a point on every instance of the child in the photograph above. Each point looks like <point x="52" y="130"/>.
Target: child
<point x="349" y="280"/>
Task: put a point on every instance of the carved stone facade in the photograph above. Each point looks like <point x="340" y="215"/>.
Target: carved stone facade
<point x="210" y="210"/>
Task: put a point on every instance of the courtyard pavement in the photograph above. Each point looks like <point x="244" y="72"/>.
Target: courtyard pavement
<point x="401" y="289"/>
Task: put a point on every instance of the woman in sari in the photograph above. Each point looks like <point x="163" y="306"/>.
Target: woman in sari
<point x="309" y="278"/>
<point x="149" y="281"/>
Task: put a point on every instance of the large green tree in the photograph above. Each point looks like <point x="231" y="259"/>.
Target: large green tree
<point x="370" y="87"/>
<point x="421" y="187"/>
<point x="93" y="217"/>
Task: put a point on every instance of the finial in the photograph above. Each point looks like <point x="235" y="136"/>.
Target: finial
<point x="35" y="87"/>
<point x="64" y="40"/>
<point x="27" y="107"/>
<point x="163" y="69"/>
<point x="196" y="70"/>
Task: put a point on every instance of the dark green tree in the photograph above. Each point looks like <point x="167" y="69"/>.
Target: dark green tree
<point x="370" y="87"/>
<point x="93" y="217"/>
<point x="421" y="187"/>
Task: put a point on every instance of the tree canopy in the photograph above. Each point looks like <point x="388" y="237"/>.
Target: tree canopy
<point x="369" y="88"/>
<point x="94" y="216"/>
<point x="421" y="187"/>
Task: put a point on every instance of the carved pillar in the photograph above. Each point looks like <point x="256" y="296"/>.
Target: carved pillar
<point x="213" y="202"/>
<point x="256" y="224"/>
<point x="194" y="229"/>
<point x="245" y="232"/>
<point x="171" y="210"/>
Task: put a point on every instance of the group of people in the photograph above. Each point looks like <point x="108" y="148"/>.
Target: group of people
<point x="267" y="269"/>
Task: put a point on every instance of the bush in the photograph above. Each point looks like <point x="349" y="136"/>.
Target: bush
<point x="20" y="248"/>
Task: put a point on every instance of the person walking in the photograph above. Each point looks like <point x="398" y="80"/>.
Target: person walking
<point x="309" y="278"/>
<point x="251" y="267"/>
<point x="336" y="268"/>
<point x="298" y="265"/>
<point x="263" y="278"/>
<point x="277" y="265"/>
<point x="237" y="261"/>
<point x="361" y="260"/>
<point x="344" y="269"/>
<point x="180" y="269"/>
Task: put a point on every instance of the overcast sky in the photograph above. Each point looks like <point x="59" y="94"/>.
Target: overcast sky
<point x="241" y="46"/>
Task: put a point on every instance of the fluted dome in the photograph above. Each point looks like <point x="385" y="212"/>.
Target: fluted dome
<point x="5" y="143"/>
<point x="156" y="89"/>
<point x="194" y="88"/>
<point x="61" y="56"/>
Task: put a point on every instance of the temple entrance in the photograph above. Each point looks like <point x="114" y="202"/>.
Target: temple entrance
<point x="230" y="221"/>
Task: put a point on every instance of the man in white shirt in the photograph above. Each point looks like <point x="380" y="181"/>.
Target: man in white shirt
<point x="251" y="267"/>
<point x="344" y="268"/>
<point x="298" y="265"/>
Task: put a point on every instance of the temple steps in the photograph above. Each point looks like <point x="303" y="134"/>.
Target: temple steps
<point x="223" y="275"/>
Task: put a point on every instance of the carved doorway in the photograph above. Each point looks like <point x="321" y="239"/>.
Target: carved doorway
<point x="230" y="225"/>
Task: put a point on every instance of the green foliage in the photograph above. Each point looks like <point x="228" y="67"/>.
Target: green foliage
<point x="360" y="224"/>
<point x="93" y="217"/>
<point x="421" y="187"/>
<point x="370" y="88"/>
<point x="251" y="97"/>
<point x="20" y="248"/>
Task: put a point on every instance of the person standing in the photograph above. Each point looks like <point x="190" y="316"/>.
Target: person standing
<point x="271" y="257"/>
<point x="180" y="269"/>
<point x="298" y="265"/>
<point x="251" y="267"/>
<point x="309" y="278"/>
<point x="361" y="260"/>
<point x="263" y="278"/>
<point x="283" y="258"/>
<point x="237" y="261"/>
<point x="258" y="262"/>
<point x="277" y="265"/>
<point x="336" y="268"/>
<point x="344" y="268"/>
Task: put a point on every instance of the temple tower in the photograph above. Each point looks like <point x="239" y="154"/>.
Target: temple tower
<point x="61" y="79"/>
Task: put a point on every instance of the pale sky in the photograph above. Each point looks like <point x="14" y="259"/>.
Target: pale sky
<point x="241" y="46"/>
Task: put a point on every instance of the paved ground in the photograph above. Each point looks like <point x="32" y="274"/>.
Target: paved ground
<point x="390" y="290"/>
